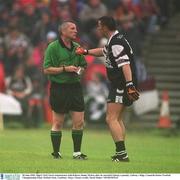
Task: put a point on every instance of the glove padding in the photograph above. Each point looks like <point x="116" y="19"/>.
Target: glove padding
<point x="132" y="92"/>
<point x="81" y="51"/>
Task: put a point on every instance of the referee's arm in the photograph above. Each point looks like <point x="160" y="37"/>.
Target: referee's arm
<point x="61" y="69"/>
<point x="53" y="70"/>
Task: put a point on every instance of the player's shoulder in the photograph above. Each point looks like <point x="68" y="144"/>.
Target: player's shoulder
<point x="117" y="38"/>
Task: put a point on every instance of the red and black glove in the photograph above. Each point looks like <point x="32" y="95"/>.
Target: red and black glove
<point x="132" y="92"/>
<point x="81" y="51"/>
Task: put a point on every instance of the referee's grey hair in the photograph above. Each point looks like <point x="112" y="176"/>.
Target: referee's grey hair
<point x="64" y="25"/>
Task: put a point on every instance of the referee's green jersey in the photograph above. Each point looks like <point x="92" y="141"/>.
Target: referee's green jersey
<point x="56" y="55"/>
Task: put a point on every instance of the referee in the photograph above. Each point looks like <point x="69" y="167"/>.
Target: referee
<point x="64" y="68"/>
<point x="121" y="74"/>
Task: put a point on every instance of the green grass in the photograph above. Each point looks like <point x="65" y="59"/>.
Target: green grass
<point x="28" y="151"/>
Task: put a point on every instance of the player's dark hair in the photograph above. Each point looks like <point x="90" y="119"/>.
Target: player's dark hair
<point x="108" y="21"/>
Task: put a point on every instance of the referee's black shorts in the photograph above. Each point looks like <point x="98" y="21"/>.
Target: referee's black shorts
<point x="66" y="97"/>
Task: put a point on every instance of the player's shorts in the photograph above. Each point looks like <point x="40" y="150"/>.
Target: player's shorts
<point x="117" y="95"/>
<point x="66" y="97"/>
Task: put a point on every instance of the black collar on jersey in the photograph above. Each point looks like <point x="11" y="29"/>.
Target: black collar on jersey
<point x="114" y="34"/>
<point x="64" y="46"/>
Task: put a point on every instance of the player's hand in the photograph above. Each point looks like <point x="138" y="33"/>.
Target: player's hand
<point x="71" y="69"/>
<point x="81" y="51"/>
<point x="132" y="92"/>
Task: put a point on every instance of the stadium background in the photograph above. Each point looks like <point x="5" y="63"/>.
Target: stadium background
<point x="27" y="26"/>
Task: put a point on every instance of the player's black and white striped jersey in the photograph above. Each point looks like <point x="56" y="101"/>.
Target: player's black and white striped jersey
<point x="118" y="52"/>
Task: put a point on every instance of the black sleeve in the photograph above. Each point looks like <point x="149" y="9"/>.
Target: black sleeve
<point x="121" y="51"/>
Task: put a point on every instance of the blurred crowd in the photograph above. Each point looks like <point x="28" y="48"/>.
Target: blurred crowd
<point x="28" y="26"/>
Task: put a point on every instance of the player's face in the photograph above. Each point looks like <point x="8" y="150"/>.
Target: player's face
<point x="71" y="31"/>
<point x="101" y="28"/>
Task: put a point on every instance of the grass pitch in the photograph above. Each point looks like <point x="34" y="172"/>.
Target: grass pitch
<point x="28" y="151"/>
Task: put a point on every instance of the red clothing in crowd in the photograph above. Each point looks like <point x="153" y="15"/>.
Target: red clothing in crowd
<point x="2" y="78"/>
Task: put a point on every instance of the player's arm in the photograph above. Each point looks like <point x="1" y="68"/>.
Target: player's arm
<point x="132" y="92"/>
<point x="127" y="72"/>
<point x="94" y="52"/>
<point x="122" y="60"/>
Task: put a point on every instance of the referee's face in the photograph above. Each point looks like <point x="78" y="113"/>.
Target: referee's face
<point x="71" y="31"/>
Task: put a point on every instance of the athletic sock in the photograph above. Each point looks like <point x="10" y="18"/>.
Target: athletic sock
<point x="56" y="140"/>
<point x="77" y="139"/>
<point x="120" y="148"/>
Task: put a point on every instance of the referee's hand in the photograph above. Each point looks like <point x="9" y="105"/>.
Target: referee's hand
<point x="132" y="92"/>
<point x="81" y="51"/>
<point x="71" y="69"/>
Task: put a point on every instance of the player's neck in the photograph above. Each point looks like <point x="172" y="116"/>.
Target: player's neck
<point x="110" y="33"/>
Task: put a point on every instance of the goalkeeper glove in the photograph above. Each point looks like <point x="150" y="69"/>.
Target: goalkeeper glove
<point x="132" y="92"/>
<point x="81" y="51"/>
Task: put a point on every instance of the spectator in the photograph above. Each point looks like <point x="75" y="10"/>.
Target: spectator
<point x="142" y="74"/>
<point x="124" y="13"/>
<point x="27" y="26"/>
<point x="164" y="8"/>
<point x="125" y="16"/>
<point x="38" y="53"/>
<point x="43" y="26"/>
<point x="29" y="19"/>
<point x="2" y="78"/>
<point x="63" y="13"/>
<point x="51" y="36"/>
<point x="150" y="13"/>
<point x="4" y="19"/>
<point x="96" y="93"/>
<point x="17" y="47"/>
<point x="90" y="12"/>
<point x="2" y="70"/>
<point x="24" y="3"/>
<point x="13" y="19"/>
<point x="20" y="86"/>
<point x="35" y="110"/>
